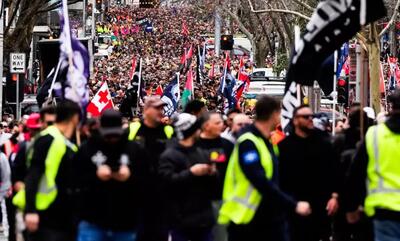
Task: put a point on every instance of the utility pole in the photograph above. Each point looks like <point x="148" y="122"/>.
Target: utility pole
<point x="84" y="17"/>
<point x="217" y="38"/>
<point x="1" y="56"/>
<point x="374" y="63"/>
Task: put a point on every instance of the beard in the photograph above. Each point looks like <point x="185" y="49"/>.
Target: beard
<point x="306" y="129"/>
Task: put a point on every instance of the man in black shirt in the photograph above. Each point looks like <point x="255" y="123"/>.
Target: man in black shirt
<point x="152" y="137"/>
<point x="189" y="177"/>
<point x="307" y="172"/>
<point x="108" y="172"/>
<point x="45" y="218"/>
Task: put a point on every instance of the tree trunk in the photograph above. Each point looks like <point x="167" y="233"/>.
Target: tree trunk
<point x="260" y="51"/>
<point x="373" y="55"/>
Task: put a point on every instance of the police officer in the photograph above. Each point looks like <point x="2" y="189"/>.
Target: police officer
<point x="254" y="206"/>
<point x="153" y="136"/>
<point x="377" y="159"/>
<point x="45" y="198"/>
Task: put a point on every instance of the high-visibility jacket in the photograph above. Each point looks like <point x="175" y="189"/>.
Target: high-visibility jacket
<point x="240" y="198"/>
<point x="100" y="29"/>
<point x="383" y="170"/>
<point x="47" y="191"/>
<point x="135" y="126"/>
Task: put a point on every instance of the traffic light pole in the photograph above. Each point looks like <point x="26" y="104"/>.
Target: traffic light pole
<point x="1" y="58"/>
<point x="335" y="97"/>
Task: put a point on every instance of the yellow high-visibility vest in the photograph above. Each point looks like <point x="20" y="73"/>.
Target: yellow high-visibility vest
<point x="240" y="198"/>
<point x="135" y="126"/>
<point x="383" y="170"/>
<point x="47" y="191"/>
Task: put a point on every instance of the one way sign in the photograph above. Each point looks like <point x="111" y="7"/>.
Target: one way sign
<point x="17" y="63"/>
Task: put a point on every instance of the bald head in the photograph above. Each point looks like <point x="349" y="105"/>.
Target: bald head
<point x="239" y="121"/>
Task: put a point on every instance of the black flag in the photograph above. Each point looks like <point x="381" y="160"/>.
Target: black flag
<point x="332" y="23"/>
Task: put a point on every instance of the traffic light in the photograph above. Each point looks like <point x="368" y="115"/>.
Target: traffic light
<point x="343" y="91"/>
<point x="227" y="42"/>
<point x="98" y="5"/>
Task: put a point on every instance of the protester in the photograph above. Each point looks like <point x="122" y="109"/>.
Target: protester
<point x="152" y="136"/>
<point x="345" y="144"/>
<point x="48" y="210"/>
<point x="190" y="176"/>
<point x="307" y="172"/>
<point x="377" y="160"/>
<point x="239" y="122"/>
<point x="108" y="169"/>
<point x="254" y="206"/>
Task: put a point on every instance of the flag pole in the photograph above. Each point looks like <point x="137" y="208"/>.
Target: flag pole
<point x="140" y="82"/>
<point x="335" y="92"/>
<point x="225" y="72"/>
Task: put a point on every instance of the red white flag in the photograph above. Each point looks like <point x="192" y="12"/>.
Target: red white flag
<point x="133" y="68"/>
<point x="101" y="101"/>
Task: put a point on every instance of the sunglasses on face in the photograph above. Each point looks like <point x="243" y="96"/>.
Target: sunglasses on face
<point x="305" y="116"/>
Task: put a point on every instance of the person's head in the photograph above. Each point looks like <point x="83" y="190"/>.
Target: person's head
<point x="303" y="119"/>
<point x="231" y="115"/>
<point x="267" y="112"/>
<point x="33" y="123"/>
<point x="47" y="116"/>
<point x="68" y="113"/>
<point x="240" y="121"/>
<point x="394" y="100"/>
<point x="186" y="127"/>
<point x="153" y="110"/>
<point x="195" y="107"/>
<point x="111" y="126"/>
<point x="212" y="125"/>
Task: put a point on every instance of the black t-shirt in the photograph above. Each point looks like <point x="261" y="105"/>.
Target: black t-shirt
<point x="109" y="204"/>
<point x="219" y="151"/>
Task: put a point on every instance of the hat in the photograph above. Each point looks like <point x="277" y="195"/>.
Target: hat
<point x="111" y="123"/>
<point x="185" y="125"/>
<point x="33" y="121"/>
<point x="154" y="101"/>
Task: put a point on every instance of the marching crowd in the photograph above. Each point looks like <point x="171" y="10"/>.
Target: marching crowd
<point x="201" y="176"/>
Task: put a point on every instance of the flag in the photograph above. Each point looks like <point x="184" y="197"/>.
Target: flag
<point x="186" y="60"/>
<point x="211" y="73"/>
<point x="382" y="87"/>
<point x="159" y="90"/>
<point x="342" y="62"/>
<point x="133" y="68"/>
<point x="332" y="23"/>
<point x="73" y="65"/>
<point x="185" y="30"/>
<point x="227" y="90"/>
<point x="394" y="73"/>
<point x="137" y="82"/>
<point x="202" y="57"/>
<point x="227" y="67"/>
<point x="187" y="94"/>
<point x="171" y="96"/>
<point x="101" y="101"/>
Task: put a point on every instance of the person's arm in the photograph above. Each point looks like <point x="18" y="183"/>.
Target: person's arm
<point x="250" y="162"/>
<point x="168" y="172"/>
<point x="355" y="191"/>
<point x="36" y="171"/>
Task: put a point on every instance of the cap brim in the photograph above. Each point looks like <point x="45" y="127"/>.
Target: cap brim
<point x="111" y="131"/>
<point x="34" y="126"/>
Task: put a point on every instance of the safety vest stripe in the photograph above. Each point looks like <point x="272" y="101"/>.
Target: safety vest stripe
<point x="245" y="203"/>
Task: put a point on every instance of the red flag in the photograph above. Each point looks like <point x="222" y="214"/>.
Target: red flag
<point x="381" y="79"/>
<point x="159" y="90"/>
<point x="189" y="53"/>
<point x="185" y="30"/>
<point x="101" y="101"/>
<point x="133" y="68"/>
<point x="211" y="74"/>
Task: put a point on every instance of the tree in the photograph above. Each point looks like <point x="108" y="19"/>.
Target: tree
<point x="19" y="39"/>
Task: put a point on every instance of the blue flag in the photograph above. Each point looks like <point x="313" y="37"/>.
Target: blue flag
<point x="171" y="96"/>
<point x="227" y="89"/>
<point x="73" y="65"/>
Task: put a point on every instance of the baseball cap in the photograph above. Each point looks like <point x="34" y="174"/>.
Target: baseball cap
<point x="33" y="121"/>
<point x="185" y="125"/>
<point x="154" y="101"/>
<point x="111" y="123"/>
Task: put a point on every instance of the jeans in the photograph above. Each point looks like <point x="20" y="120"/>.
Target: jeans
<point x="191" y="235"/>
<point x="386" y="230"/>
<point x="91" y="232"/>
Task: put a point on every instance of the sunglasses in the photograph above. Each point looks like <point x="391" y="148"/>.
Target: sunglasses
<point x="305" y="116"/>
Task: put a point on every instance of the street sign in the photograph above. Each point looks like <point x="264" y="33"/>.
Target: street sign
<point x="17" y="63"/>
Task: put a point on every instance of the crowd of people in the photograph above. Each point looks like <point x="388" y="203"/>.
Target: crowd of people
<point x="199" y="175"/>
